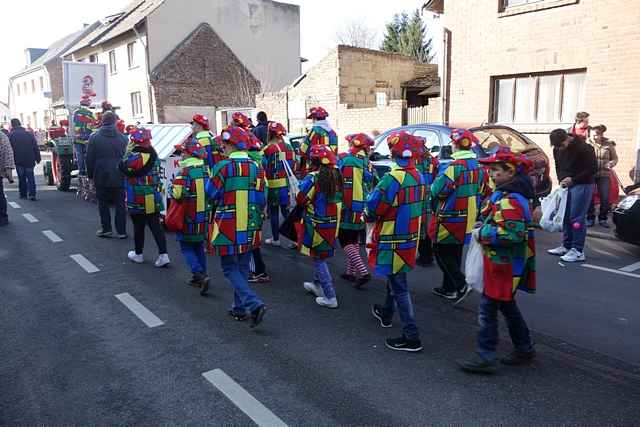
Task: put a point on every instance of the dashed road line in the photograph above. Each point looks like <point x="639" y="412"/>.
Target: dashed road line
<point x="631" y="268"/>
<point x="141" y="312"/>
<point x="611" y="270"/>
<point x="30" y="218"/>
<point x="52" y="236"/>
<point x="242" y="399"/>
<point x="14" y="205"/>
<point x="85" y="263"/>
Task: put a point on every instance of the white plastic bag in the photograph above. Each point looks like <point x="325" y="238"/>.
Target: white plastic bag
<point x="553" y="209"/>
<point x="474" y="266"/>
<point x="294" y="185"/>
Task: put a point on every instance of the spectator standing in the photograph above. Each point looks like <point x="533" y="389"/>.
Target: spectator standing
<point x="262" y="130"/>
<point x="6" y="171"/>
<point x="105" y="150"/>
<point x="607" y="159"/>
<point x="581" y="125"/>
<point x="576" y="167"/>
<point x="26" y="155"/>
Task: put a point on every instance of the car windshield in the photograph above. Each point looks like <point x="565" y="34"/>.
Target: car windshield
<point x="381" y="147"/>
<point x="492" y="139"/>
<point x="431" y="137"/>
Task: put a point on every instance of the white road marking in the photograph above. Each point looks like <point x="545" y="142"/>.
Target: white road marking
<point x="14" y="205"/>
<point x="242" y="399"/>
<point x="631" y="268"/>
<point x="611" y="270"/>
<point x="84" y="263"/>
<point x="141" y="312"/>
<point x="52" y="236"/>
<point x="30" y="218"/>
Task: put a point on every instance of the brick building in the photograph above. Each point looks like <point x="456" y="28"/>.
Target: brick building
<point x="531" y="64"/>
<point x="363" y="90"/>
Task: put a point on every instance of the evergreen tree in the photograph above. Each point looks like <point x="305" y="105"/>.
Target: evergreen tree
<point x="393" y="37"/>
<point x="407" y="36"/>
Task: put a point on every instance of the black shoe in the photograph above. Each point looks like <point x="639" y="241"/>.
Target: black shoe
<point x="259" y="278"/>
<point x="257" y="315"/>
<point x="517" y="358"/>
<point x="462" y="294"/>
<point x="403" y="344"/>
<point x="196" y="280"/>
<point x="104" y="234"/>
<point x="23" y="197"/>
<point x="121" y="236"/>
<point x="424" y="262"/>
<point x="477" y="365"/>
<point x="348" y="277"/>
<point x="445" y="294"/>
<point x="240" y="317"/>
<point x="204" y="285"/>
<point x="378" y="313"/>
<point x="361" y="281"/>
<point x="33" y="198"/>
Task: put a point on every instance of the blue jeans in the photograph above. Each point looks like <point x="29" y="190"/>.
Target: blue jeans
<point x="398" y="296"/>
<point x="603" y="185"/>
<point x="194" y="255"/>
<point x="578" y="202"/>
<point x="26" y="182"/>
<point x="488" y="334"/>
<point x="322" y="277"/>
<point x="236" y="270"/>
<point x="80" y="151"/>
<point x="274" y="218"/>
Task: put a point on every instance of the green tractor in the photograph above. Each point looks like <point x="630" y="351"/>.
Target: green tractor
<point x="58" y="171"/>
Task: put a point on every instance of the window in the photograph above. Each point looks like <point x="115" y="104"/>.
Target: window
<point x="33" y="86"/>
<point x="511" y="3"/>
<point x="136" y="104"/>
<point x="18" y="89"/>
<point x="42" y="84"/>
<point x="541" y="98"/>
<point x="21" y="118"/>
<point x="381" y="99"/>
<point x="112" y="62"/>
<point x="93" y="58"/>
<point x="24" y="87"/>
<point x="131" y="54"/>
<point x="35" y="119"/>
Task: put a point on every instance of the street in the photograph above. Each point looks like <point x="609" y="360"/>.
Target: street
<point x="91" y="339"/>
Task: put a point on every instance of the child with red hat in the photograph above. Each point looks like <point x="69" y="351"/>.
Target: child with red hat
<point x="201" y="131"/>
<point x="395" y="207"/>
<point x="428" y="166"/>
<point x="357" y="181"/>
<point x="321" y="196"/>
<point x="321" y="133"/>
<point x="141" y="168"/>
<point x="507" y="236"/>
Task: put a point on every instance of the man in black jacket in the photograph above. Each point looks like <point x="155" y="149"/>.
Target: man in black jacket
<point x="576" y="167"/>
<point x="26" y="154"/>
<point x="104" y="152"/>
<point x="261" y="131"/>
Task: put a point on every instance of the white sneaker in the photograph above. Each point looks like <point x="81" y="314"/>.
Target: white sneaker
<point x="272" y="242"/>
<point x="162" y="260"/>
<point x="559" y="251"/>
<point x="312" y="288"/>
<point x="327" y="302"/>
<point x="573" y="255"/>
<point x="138" y="259"/>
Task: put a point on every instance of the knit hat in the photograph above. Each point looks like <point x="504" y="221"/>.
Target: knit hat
<point x="192" y="147"/>
<point x="276" y="129"/>
<point x="463" y="139"/>
<point x="404" y="145"/>
<point x="240" y="120"/>
<point x="504" y="155"/>
<point x="201" y="120"/>
<point x="236" y="136"/>
<point x="129" y="129"/>
<point x="359" y="141"/>
<point x="317" y="113"/>
<point x="324" y="154"/>
<point x="140" y="136"/>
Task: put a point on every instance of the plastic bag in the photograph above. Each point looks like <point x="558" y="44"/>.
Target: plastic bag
<point x="474" y="266"/>
<point x="294" y="185"/>
<point x="553" y="209"/>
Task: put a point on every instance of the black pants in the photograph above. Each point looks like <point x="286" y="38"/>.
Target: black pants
<point x="108" y="197"/>
<point x="3" y="204"/>
<point x="153" y="221"/>
<point x="449" y="258"/>
<point x="425" y="249"/>
<point x="259" y="266"/>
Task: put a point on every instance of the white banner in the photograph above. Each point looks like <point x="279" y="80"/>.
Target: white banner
<point x="84" y="83"/>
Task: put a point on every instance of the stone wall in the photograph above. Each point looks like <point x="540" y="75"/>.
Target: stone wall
<point x="372" y="120"/>
<point x="275" y="105"/>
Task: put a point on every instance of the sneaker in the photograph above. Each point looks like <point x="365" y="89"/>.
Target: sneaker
<point x="204" y="285"/>
<point x="137" y="258"/>
<point x="403" y="344"/>
<point x="102" y="233"/>
<point x="348" y="277"/>
<point x="590" y="223"/>
<point x="327" y="302"/>
<point x="377" y="312"/>
<point x="445" y="294"/>
<point x="462" y="294"/>
<point x="517" y="358"/>
<point x="272" y="242"/>
<point x="559" y="251"/>
<point x="33" y="198"/>
<point x="573" y="255"/>
<point x="257" y="315"/>
<point x="314" y="289"/>
<point x="477" y="365"/>
<point x="196" y="278"/>
<point x="259" y="278"/>
<point x="604" y="224"/>
<point x="121" y="236"/>
<point x="361" y="281"/>
<point x="240" y="317"/>
<point x="162" y="261"/>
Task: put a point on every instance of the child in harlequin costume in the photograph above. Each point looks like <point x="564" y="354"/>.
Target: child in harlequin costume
<point x="320" y="134"/>
<point x="188" y="188"/>
<point x="276" y="153"/>
<point x="141" y="168"/>
<point x="456" y="195"/>
<point x="508" y="242"/>
<point x="84" y="125"/>
<point x="428" y="166"/>
<point x="395" y="207"/>
<point x="201" y="132"/>
<point x="241" y="120"/>
<point x="320" y="195"/>
<point x="237" y="188"/>
<point x="357" y="182"/>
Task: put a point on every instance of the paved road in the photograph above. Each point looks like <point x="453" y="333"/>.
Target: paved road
<point x="74" y="354"/>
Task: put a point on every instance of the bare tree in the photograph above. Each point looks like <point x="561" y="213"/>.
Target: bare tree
<point x="357" y="34"/>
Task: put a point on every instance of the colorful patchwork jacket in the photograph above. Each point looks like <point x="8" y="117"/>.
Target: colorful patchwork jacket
<point x="320" y="219"/>
<point x="428" y="166"/>
<point x="237" y="188"/>
<point x="357" y="180"/>
<point x="277" y="179"/>
<point x="188" y="188"/>
<point x="320" y="134"/>
<point x="396" y="208"/>
<point x="509" y="246"/>
<point x="457" y="195"/>
<point x="214" y="152"/>
<point x="83" y="124"/>
<point x="141" y="168"/>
